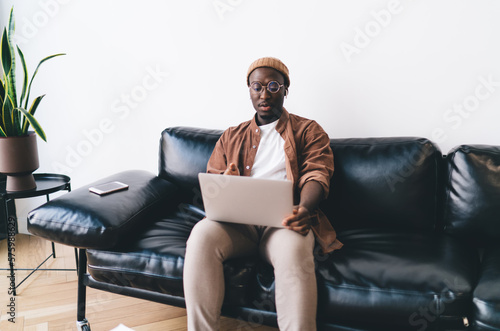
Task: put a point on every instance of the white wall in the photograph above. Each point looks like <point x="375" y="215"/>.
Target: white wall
<point x="360" y="68"/>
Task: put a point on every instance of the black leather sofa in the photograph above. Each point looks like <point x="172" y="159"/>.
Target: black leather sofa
<point x="420" y="231"/>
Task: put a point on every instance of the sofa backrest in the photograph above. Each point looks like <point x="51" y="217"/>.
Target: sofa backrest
<point x="472" y="201"/>
<point x="389" y="183"/>
<point x="378" y="182"/>
<point x="184" y="152"/>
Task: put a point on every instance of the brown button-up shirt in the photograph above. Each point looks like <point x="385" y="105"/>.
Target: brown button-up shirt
<point x="308" y="157"/>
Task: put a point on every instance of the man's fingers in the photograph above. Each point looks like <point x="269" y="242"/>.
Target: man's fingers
<point x="303" y="230"/>
<point x="295" y="224"/>
<point x="290" y="220"/>
<point x="286" y="221"/>
<point x="232" y="169"/>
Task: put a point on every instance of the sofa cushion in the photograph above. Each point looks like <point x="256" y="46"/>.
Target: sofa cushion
<point x="86" y="220"/>
<point x="389" y="280"/>
<point x="397" y="278"/>
<point x="155" y="260"/>
<point x="388" y="183"/>
<point x="472" y="206"/>
<point x="487" y="293"/>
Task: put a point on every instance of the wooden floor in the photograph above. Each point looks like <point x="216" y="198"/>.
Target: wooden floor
<point x="47" y="300"/>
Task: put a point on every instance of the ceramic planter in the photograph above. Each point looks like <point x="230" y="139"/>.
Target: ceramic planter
<point x="18" y="160"/>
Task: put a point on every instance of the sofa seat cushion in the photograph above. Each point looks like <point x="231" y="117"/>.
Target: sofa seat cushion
<point x="397" y="280"/>
<point x="155" y="259"/>
<point x="487" y="292"/>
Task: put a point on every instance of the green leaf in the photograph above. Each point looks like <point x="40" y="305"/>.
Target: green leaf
<point x="11" y="23"/>
<point x="12" y="75"/>
<point x="34" y="124"/>
<point x="2" y="132"/>
<point x="32" y="111"/>
<point x="16" y="122"/>
<point x="7" y="107"/>
<point x="34" y="74"/>
<point x="2" y="95"/>
<point x="2" y="123"/>
<point x="25" y="71"/>
<point x="2" y="91"/>
<point x="6" y="56"/>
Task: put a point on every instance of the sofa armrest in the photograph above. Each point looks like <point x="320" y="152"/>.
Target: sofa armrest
<point x="87" y="220"/>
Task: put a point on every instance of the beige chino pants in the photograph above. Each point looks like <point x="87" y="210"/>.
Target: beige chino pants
<point x="291" y="255"/>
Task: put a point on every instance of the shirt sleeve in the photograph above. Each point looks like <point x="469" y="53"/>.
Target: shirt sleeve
<point x="315" y="158"/>
<point x="217" y="163"/>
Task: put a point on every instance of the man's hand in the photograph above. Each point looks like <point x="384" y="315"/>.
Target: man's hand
<point x="232" y="170"/>
<point x="299" y="221"/>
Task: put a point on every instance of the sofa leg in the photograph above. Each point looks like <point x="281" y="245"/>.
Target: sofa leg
<point x="82" y="324"/>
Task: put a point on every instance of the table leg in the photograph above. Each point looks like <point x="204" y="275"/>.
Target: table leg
<point x="47" y="197"/>
<point x="53" y="250"/>
<point x="76" y="258"/>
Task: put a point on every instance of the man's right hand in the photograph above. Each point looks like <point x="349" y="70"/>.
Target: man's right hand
<point x="232" y="170"/>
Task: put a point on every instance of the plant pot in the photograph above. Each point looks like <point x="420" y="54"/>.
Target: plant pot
<point x="18" y="160"/>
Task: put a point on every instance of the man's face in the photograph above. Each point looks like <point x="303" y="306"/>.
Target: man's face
<point x="269" y="106"/>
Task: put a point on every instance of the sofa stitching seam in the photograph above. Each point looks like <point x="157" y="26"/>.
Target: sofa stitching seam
<point x="90" y="266"/>
<point x="475" y="299"/>
<point x="353" y="287"/>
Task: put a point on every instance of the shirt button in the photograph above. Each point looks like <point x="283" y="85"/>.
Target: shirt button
<point x="248" y="167"/>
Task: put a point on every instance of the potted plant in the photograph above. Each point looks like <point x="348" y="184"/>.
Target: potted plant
<point x="18" y="148"/>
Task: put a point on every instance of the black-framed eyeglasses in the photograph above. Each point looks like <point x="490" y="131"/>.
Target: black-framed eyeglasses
<point x="273" y="87"/>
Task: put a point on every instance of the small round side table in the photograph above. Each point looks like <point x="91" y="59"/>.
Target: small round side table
<point x="45" y="185"/>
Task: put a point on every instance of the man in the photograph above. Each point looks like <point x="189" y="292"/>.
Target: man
<point x="278" y="145"/>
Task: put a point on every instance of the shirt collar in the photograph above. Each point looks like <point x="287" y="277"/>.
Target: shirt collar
<point x="280" y="127"/>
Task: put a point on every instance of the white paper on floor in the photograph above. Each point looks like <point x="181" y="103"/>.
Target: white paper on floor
<point x="122" y="327"/>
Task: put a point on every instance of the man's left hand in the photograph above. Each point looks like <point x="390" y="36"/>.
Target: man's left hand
<point x="299" y="221"/>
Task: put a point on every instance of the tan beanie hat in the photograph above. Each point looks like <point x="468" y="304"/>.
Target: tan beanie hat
<point x="269" y="62"/>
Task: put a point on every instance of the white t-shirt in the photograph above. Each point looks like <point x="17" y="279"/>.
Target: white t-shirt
<point x="270" y="158"/>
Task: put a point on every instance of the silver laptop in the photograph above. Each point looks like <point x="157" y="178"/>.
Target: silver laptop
<point x="246" y="200"/>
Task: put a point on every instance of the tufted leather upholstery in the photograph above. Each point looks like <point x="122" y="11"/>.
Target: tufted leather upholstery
<point x="486" y="309"/>
<point x="410" y="221"/>
<point x="384" y="183"/>
<point x="473" y="193"/>
<point x="472" y="213"/>
<point x="86" y="220"/>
